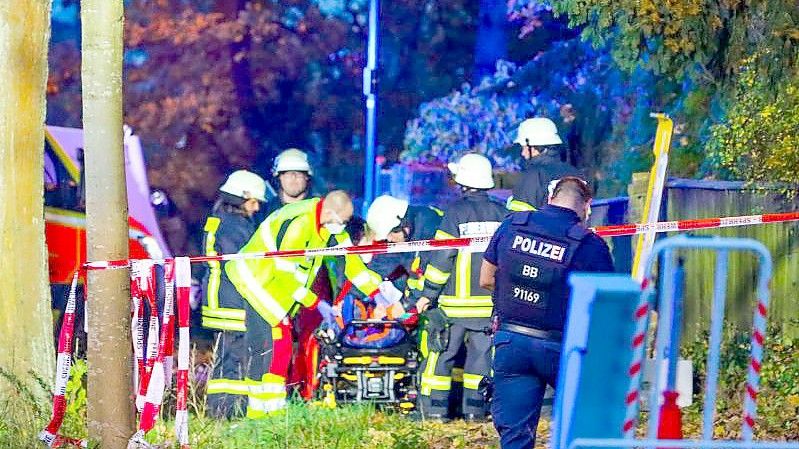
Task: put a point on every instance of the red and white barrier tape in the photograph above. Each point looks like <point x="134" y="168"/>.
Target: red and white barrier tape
<point x="137" y="320"/>
<point x="183" y="286"/>
<point x="159" y="377"/>
<point x="147" y="269"/>
<point x="65" y="338"/>
<point x="169" y="299"/>
<point x="480" y="243"/>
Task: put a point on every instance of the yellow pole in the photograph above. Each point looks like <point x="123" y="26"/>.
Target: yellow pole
<point x="654" y="195"/>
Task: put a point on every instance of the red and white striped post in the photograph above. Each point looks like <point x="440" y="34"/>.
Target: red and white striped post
<point x="755" y="363"/>
<point x="640" y="317"/>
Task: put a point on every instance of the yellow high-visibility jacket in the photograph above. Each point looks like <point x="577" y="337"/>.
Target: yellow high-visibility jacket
<point x="273" y="286"/>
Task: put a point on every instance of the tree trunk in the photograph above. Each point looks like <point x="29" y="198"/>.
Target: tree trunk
<point x="110" y="409"/>
<point x="26" y="330"/>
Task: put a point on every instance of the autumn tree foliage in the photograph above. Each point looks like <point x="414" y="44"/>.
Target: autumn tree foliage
<point x="214" y="85"/>
<point x="692" y="59"/>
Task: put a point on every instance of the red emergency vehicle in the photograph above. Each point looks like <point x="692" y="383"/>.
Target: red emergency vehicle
<point x="65" y="217"/>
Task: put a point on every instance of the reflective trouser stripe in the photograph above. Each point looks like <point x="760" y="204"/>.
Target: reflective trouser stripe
<point x="430" y="381"/>
<point x="225" y="313"/>
<point x="222" y="324"/>
<point x="518" y="205"/>
<point x="467" y="312"/>
<point x="268" y="395"/>
<point x="259" y="408"/>
<point x="228" y="386"/>
<point x="473" y="301"/>
<point x="471" y="381"/>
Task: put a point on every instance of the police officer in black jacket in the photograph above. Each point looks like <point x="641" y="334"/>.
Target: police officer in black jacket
<point x="526" y="265"/>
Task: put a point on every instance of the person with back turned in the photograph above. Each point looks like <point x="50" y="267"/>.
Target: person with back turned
<point x="527" y="264"/>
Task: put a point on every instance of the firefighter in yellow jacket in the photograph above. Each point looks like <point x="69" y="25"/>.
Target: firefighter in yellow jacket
<point x="274" y="288"/>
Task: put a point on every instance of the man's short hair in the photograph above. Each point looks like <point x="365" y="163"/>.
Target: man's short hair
<point x="572" y="187"/>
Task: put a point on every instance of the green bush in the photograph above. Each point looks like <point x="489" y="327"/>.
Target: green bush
<point x="778" y="400"/>
<point x="759" y="139"/>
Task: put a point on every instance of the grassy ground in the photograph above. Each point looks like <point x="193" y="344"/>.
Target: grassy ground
<point x="346" y="427"/>
<point x="22" y="416"/>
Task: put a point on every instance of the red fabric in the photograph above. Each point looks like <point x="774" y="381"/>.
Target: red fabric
<point x="343" y="293"/>
<point x="319" y="215"/>
<point x="281" y="349"/>
<point x="307" y="320"/>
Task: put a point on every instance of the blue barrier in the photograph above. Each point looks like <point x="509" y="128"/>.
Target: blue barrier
<point x="593" y="383"/>
<point x="595" y="358"/>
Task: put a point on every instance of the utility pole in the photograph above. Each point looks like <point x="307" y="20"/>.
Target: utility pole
<point x="370" y="79"/>
<point x="110" y="409"/>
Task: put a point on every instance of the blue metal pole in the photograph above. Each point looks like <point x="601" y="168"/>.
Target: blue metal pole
<point x="714" y="345"/>
<point x="663" y="344"/>
<point x="676" y="328"/>
<point x="369" y="91"/>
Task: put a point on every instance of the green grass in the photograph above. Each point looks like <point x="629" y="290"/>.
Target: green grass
<point x="355" y="426"/>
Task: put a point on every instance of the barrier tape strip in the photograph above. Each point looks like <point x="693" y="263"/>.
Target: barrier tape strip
<point x="137" y="321"/>
<point x="150" y="292"/>
<point x="155" y="373"/>
<point x="480" y="243"/>
<point x="169" y="298"/>
<point x="183" y="284"/>
<point x="180" y="274"/>
<point x="50" y="435"/>
<point x="159" y="377"/>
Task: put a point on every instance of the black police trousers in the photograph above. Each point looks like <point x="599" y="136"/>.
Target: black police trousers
<point x="523" y="366"/>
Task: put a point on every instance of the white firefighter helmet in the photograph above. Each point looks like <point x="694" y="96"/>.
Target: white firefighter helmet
<point x="245" y="184"/>
<point x="473" y="170"/>
<point x="538" y="131"/>
<point x="385" y="214"/>
<point x="292" y="159"/>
